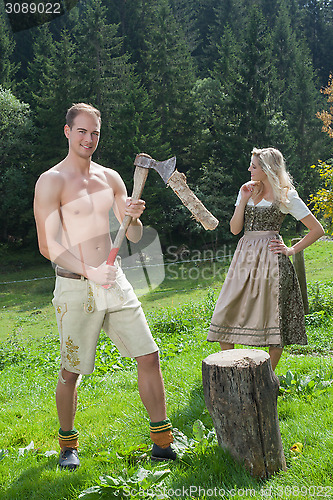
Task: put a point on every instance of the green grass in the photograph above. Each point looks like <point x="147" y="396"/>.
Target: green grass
<point x="319" y="261"/>
<point x="111" y="418"/>
<point x="183" y="282"/>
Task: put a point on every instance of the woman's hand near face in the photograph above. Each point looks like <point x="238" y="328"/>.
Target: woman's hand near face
<point x="247" y="190"/>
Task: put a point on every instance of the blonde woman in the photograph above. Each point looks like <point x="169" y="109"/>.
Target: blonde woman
<point x="260" y="303"/>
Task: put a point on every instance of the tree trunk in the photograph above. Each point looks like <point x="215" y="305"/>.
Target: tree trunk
<point x="241" y="392"/>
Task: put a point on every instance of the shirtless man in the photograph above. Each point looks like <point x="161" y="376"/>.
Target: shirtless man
<point x="71" y="206"/>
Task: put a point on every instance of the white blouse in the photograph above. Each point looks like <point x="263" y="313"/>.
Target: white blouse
<point x="296" y="207"/>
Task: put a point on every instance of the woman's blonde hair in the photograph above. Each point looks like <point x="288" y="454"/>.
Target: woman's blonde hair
<point x="272" y="163"/>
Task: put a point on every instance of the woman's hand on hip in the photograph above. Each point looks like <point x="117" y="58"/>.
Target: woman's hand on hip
<point x="277" y="246"/>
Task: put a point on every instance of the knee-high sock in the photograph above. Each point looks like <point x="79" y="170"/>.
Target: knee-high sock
<point x="161" y="433"/>
<point x="68" y="439"/>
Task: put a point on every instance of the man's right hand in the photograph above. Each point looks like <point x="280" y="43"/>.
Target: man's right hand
<point x="103" y="274"/>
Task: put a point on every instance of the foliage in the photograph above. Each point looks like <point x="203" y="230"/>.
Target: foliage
<point x="8" y="68"/>
<point x="108" y="357"/>
<point x="11" y="352"/>
<point x="15" y="128"/>
<point x="308" y="386"/>
<point x="15" y="179"/>
<point x="141" y="484"/>
<point x="326" y="116"/>
<point x="205" y="81"/>
<point x="175" y="328"/>
<point x="323" y="199"/>
<point x="202" y="439"/>
<point x="317" y="318"/>
<point x="321" y="297"/>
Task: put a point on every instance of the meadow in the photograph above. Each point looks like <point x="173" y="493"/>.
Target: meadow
<point x="113" y="424"/>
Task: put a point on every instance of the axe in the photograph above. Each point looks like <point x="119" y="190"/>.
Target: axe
<point x="177" y="181"/>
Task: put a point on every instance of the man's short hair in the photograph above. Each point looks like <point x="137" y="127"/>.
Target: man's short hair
<point x="78" y="108"/>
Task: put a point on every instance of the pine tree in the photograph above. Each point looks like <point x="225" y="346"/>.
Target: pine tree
<point x="105" y="68"/>
<point x="230" y="16"/>
<point x="48" y="87"/>
<point x="132" y="17"/>
<point x="248" y="105"/>
<point x="284" y="42"/>
<point x="169" y="78"/>
<point x="301" y="112"/>
<point x="7" y="46"/>
<point x="205" y="23"/>
<point x="316" y="18"/>
<point x="297" y="100"/>
<point x="40" y="68"/>
<point x="16" y="184"/>
<point x="186" y="14"/>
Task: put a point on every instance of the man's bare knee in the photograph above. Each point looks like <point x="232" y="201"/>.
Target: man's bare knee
<point x="149" y="360"/>
<point x="66" y="377"/>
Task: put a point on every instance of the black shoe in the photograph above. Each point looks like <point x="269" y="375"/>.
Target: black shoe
<point x="69" y="459"/>
<point x="161" y="454"/>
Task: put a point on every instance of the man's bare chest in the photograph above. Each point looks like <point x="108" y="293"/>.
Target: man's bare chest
<point x="85" y="199"/>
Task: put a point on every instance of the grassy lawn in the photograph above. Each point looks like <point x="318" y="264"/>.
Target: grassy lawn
<point x="113" y="422"/>
<point x="111" y="419"/>
<point x="22" y="302"/>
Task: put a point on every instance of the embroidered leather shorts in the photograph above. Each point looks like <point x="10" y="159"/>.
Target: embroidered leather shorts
<point x="83" y="309"/>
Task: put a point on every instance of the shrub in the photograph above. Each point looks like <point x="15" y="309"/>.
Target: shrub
<point x="321" y="297"/>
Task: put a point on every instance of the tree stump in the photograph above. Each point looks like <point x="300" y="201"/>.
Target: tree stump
<point x="241" y="392"/>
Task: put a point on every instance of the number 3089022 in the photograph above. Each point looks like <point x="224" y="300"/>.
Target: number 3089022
<point x="33" y="8"/>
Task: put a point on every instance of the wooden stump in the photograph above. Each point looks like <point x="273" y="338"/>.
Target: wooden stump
<point x="241" y="392"/>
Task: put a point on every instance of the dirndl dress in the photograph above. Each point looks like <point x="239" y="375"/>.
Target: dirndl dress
<point x="260" y="303"/>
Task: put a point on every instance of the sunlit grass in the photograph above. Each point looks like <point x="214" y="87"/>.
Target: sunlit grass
<point x="111" y="417"/>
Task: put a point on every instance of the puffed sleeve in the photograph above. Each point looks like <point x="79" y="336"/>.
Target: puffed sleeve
<point x="238" y="198"/>
<point x="295" y="206"/>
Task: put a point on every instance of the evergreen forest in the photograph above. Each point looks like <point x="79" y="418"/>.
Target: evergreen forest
<point x="205" y="80"/>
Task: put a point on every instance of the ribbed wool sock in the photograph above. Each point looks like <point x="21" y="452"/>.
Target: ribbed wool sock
<point x="68" y="439"/>
<point x="161" y="433"/>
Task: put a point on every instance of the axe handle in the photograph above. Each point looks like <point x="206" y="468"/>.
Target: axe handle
<point x="140" y="176"/>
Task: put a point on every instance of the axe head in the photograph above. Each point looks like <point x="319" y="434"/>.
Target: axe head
<point x="164" y="168"/>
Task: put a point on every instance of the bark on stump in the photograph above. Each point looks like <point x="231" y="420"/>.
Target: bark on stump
<point x="241" y="392"/>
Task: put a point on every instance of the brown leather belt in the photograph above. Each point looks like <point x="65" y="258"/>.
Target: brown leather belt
<point x="63" y="273"/>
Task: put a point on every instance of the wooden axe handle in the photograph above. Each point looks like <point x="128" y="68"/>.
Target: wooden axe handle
<point x="140" y="176"/>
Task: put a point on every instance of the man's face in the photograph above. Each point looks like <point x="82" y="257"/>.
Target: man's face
<point x="83" y="137"/>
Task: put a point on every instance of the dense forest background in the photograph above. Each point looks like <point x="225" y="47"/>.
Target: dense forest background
<point x="205" y="80"/>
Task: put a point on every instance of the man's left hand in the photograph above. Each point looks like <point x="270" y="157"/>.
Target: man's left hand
<point x="134" y="208"/>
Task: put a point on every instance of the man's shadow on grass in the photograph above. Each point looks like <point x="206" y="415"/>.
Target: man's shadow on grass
<point x="44" y="481"/>
<point x="211" y="467"/>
